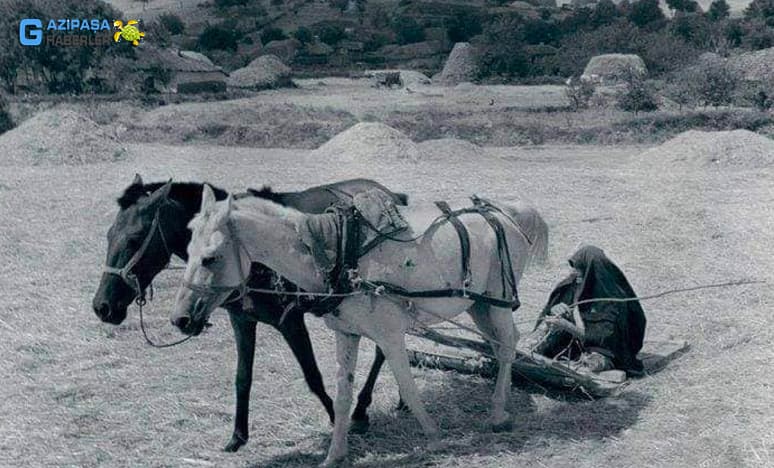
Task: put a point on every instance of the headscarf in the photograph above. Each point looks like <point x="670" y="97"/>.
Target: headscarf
<point x="616" y="328"/>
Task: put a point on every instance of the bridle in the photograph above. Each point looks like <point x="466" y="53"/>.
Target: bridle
<point x="131" y="279"/>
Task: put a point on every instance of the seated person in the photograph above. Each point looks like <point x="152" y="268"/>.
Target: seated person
<point x="602" y="335"/>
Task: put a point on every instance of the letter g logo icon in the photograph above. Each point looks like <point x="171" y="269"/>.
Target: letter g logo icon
<point x="30" y="32"/>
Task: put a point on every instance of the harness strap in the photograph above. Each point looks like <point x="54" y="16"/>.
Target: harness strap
<point x="462" y="232"/>
<point x="503" y="251"/>
<point x="438" y="293"/>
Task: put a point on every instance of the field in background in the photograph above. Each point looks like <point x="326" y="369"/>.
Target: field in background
<point x="80" y="393"/>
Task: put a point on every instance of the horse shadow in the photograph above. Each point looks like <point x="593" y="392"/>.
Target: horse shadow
<point x="460" y="405"/>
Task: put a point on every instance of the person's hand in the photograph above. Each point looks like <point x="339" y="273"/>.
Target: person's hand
<point x="560" y="309"/>
<point x="554" y="322"/>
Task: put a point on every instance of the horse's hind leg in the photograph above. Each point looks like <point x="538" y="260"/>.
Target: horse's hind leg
<point x="346" y="356"/>
<point x="497" y="323"/>
<point x="294" y="331"/>
<point x="244" y="333"/>
<point x="360" y="415"/>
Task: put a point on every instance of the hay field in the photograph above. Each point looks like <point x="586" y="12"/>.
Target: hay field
<point x="76" y="392"/>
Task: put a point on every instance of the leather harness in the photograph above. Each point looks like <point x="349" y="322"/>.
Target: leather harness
<point x="342" y="278"/>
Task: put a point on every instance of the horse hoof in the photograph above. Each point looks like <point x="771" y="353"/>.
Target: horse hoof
<point x="359" y="426"/>
<point x="402" y="407"/>
<point x="333" y="462"/>
<point x="505" y="426"/>
<point x="234" y="444"/>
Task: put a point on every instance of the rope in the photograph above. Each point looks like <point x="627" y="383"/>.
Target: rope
<point x="667" y="292"/>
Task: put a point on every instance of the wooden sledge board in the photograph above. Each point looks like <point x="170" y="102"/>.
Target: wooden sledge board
<point x="538" y="369"/>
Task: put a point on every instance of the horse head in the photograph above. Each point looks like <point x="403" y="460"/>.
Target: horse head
<point x="216" y="267"/>
<point x="137" y="250"/>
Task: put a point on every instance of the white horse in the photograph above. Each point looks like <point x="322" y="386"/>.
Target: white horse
<point x="229" y="235"/>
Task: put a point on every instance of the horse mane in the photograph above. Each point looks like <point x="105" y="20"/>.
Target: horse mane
<point x="184" y="192"/>
<point x="265" y="192"/>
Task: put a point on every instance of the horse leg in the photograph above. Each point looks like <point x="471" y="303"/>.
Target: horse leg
<point x="497" y="323"/>
<point x="360" y="416"/>
<point x="346" y="356"/>
<point x="244" y="333"/>
<point x="294" y="331"/>
<point x="395" y="352"/>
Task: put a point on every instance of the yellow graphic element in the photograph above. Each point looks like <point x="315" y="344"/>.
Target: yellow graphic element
<point x="128" y="32"/>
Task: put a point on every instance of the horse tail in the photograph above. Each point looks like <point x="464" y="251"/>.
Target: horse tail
<point x="534" y="228"/>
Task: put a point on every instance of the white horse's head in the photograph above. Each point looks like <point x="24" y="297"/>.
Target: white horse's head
<point x="217" y="266"/>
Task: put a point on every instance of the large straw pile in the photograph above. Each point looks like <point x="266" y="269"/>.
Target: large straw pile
<point x="461" y="66"/>
<point x="736" y="148"/>
<point x="265" y="72"/>
<point x="58" y="136"/>
<point x="755" y="66"/>
<point x="369" y="141"/>
<point x="610" y="68"/>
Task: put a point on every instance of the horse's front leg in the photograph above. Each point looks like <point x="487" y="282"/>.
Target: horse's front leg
<point x="244" y="333"/>
<point x="395" y="351"/>
<point x="346" y="356"/>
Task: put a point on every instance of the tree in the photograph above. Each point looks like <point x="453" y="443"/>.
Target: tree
<point x="462" y="26"/>
<point x="503" y="48"/>
<point x="687" y="6"/>
<point x="645" y="12"/>
<point x="761" y="9"/>
<point x="718" y="10"/>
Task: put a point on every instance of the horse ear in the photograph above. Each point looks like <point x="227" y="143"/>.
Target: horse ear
<point x="137" y="180"/>
<point x="208" y="199"/>
<point x="161" y="193"/>
<point x="229" y="203"/>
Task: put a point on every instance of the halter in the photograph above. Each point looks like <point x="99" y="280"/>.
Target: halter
<point x="126" y="273"/>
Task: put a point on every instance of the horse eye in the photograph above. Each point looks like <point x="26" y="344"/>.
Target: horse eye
<point x="208" y="261"/>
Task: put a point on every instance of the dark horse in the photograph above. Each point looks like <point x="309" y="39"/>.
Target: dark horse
<point x="151" y="225"/>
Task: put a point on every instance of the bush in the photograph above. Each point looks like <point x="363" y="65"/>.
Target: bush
<point x="303" y="35"/>
<point x="636" y="96"/>
<point x="218" y="37"/>
<point x="579" y="92"/>
<point x="172" y="23"/>
<point x="714" y="84"/>
<point x="272" y="34"/>
<point x="407" y="30"/>
<point x="461" y="27"/>
<point x="329" y="32"/>
<point x="6" y="122"/>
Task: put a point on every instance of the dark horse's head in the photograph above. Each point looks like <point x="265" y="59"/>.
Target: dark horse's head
<point x="138" y="248"/>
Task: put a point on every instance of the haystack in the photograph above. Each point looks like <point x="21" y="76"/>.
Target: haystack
<point x="449" y="149"/>
<point x="461" y="66"/>
<point x="265" y="72"/>
<point x="58" y="136"/>
<point x="755" y="66"/>
<point x="610" y="68"/>
<point x="736" y="148"/>
<point x="368" y="141"/>
<point x="196" y="56"/>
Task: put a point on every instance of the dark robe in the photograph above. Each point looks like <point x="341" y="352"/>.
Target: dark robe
<point x="615" y="329"/>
